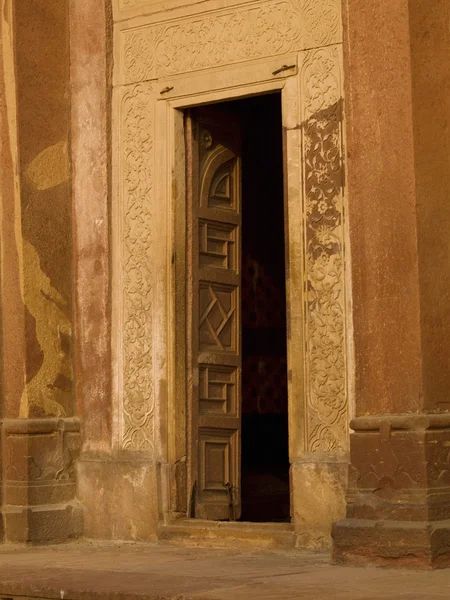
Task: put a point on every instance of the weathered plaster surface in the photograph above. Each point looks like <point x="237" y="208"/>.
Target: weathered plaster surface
<point x="38" y="451"/>
<point x="41" y="54"/>
<point x="91" y="162"/>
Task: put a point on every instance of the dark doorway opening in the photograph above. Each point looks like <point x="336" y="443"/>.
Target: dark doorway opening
<point x="237" y="303"/>
<point x="265" y="454"/>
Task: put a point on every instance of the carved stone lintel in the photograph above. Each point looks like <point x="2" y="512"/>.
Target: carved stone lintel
<point x="228" y="36"/>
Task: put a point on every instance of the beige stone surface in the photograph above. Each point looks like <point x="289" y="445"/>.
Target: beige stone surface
<point x="120" y="498"/>
<point x="132" y="572"/>
<point x="194" y="55"/>
<point x="318" y="499"/>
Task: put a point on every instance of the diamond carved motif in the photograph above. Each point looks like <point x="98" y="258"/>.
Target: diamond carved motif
<point x="217" y="326"/>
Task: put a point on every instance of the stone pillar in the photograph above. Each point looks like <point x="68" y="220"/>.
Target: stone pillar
<point x="116" y="480"/>
<point x="40" y="433"/>
<point x="398" y="110"/>
<point x="90" y="163"/>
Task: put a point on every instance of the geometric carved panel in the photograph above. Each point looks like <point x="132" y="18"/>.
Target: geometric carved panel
<point x="217" y="245"/>
<point x="217" y="325"/>
<point x="218" y="390"/>
<point x="221" y="190"/>
<point x="216" y="460"/>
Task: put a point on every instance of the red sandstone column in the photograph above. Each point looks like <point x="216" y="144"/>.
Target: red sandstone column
<point x="40" y="432"/>
<point x="91" y="161"/>
<point x="397" y="111"/>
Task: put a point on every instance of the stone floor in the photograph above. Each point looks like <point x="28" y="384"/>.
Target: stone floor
<point x="91" y="571"/>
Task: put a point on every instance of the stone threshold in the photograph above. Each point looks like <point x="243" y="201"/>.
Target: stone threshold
<point x="226" y="534"/>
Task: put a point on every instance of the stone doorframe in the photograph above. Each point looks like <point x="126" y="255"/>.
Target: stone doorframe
<point x="164" y="62"/>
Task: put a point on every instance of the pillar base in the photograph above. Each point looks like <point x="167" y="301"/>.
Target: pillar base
<point x="39" y="484"/>
<point x="317" y="499"/>
<point x="398" y="500"/>
<point x="392" y="543"/>
<point x="119" y="497"/>
<point x="43" y="524"/>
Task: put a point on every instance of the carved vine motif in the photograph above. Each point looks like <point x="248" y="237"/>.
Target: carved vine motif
<point x="271" y="28"/>
<point x="137" y="157"/>
<point x="48" y="393"/>
<point x="125" y="4"/>
<point x="327" y="422"/>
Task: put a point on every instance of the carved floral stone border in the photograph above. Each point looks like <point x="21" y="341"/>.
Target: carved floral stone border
<point x="203" y="42"/>
<point x="324" y="268"/>
<point x="228" y="36"/>
<point x="136" y="189"/>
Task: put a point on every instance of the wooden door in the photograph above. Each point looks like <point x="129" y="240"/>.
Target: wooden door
<point x="214" y="328"/>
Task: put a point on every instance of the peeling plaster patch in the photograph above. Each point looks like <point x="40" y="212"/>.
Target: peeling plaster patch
<point x="50" y="167"/>
<point x="46" y="305"/>
<point x="137" y="478"/>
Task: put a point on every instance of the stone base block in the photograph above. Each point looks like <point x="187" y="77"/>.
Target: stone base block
<point x="120" y="498"/>
<point x="398" y="499"/>
<point x="53" y="523"/>
<point x="392" y="543"/>
<point x="317" y="499"/>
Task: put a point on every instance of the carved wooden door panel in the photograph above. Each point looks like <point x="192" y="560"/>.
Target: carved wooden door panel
<point x="214" y="329"/>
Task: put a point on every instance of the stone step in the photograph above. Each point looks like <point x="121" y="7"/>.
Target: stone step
<point x="224" y="534"/>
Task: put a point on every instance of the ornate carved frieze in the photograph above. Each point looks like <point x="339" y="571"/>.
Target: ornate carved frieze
<point x="215" y="38"/>
<point x="225" y="37"/>
<point x="327" y="410"/>
<point x="136" y="156"/>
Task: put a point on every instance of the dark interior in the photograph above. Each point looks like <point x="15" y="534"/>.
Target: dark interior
<point x="265" y="458"/>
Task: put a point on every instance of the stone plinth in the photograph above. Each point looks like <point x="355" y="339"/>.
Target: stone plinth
<point x="398" y="501"/>
<point x="39" y="457"/>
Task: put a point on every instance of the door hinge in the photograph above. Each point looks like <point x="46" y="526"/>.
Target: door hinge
<point x="192" y="501"/>
<point x="230" y="490"/>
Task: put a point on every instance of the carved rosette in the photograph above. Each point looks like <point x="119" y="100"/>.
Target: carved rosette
<point x="225" y="37"/>
<point x="321" y="22"/>
<point x="136" y="206"/>
<point x="326" y="377"/>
